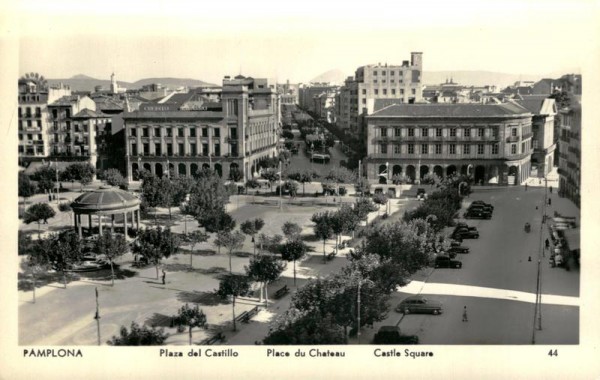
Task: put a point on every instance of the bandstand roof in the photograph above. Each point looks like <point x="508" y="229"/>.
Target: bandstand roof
<point x="106" y="199"/>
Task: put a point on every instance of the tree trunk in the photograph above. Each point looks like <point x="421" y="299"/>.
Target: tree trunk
<point x="156" y="265"/>
<point x="266" y="295"/>
<point x="230" y="271"/>
<point x="65" y="278"/>
<point x="260" y="292"/>
<point x="294" y="272"/>
<point x="191" y="256"/>
<point x="169" y="212"/>
<point x="324" y="254"/>
<point x="112" y="273"/>
<point x="254" y="245"/>
<point x="303" y="189"/>
<point x="33" y="274"/>
<point x="337" y="244"/>
<point x="190" y="331"/>
<point x="233" y="308"/>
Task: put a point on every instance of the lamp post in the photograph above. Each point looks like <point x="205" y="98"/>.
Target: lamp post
<point x="280" y="186"/>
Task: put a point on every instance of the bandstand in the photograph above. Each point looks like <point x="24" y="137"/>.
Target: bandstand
<point x="106" y="203"/>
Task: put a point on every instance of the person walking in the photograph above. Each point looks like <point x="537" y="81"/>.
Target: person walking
<point x="549" y="201"/>
<point x="465" y="318"/>
<point x="547" y="243"/>
<point x="525" y="186"/>
<point x="164" y="275"/>
<point x="550" y="189"/>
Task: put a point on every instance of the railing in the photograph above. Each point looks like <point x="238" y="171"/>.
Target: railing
<point x="511" y="139"/>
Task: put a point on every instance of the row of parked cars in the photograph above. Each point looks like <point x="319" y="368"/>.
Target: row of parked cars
<point x="479" y="210"/>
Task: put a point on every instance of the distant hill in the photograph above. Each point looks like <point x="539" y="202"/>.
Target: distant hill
<point x="335" y="76"/>
<point x="476" y="78"/>
<point x="83" y="82"/>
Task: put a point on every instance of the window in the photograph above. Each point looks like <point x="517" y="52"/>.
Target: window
<point x="134" y="149"/>
<point x="452" y="148"/>
<point x="20" y="113"/>
<point x="181" y="150"/>
<point x="452" y="132"/>
<point x="393" y="89"/>
<point x="375" y="81"/>
<point x="523" y="150"/>
<point x="383" y="132"/>
<point x="413" y="91"/>
<point x="392" y="72"/>
<point x="38" y="112"/>
<point x="383" y="72"/>
<point x="467" y="132"/>
<point x="383" y="148"/>
<point x="193" y="132"/>
<point x="376" y="92"/>
<point x="480" y="132"/>
<point x="132" y="132"/>
<point x="28" y="123"/>
<point x="480" y="149"/>
<point x="180" y="132"/>
<point x="39" y="137"/>
<point x="495" y="149"/>
<point x="218" y="132"/>
<point x="146" y="149"/>
<point x="513" y="148"/>
<point x="205" y="149"/>
<point x="424" y="132"/>
<point x="217" y="149"/>
<point x="234" y="134"/>
<point x="438" y="148"/>
<point x="157" y="149"/>
<point x="157" y="132"/>
<point x="494" y="132"/>
<point x="535" y="144"/>
<point x="385" y="91"/>
<point x="411" y="148"/>
<point x="145" y="132"/>
<point x="401" y="91"/>
<point x="39" y="123"/>
<point x="438" y="132"/>
<point x="466" y="149"/>
<point x="364" y="101"/>
<point x="396" y="149"/>
<point x="204" y="132"/>
<point x="411" y="132"/>
<point x="169" y="132"/>
<point x="514" y="132"/>
<point x="424" y="149"/>
<point x="364" y="91"/>
<point x="193" y="149"/>
<point x="397" y="132"/>
<point x="20" y="136"/>
<point x="28" y="112"/>
<point x="375" y="72"/>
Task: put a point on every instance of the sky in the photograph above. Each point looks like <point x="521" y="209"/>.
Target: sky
<point x="300" y="40"/>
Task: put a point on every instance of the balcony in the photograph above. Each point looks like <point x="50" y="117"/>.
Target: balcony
<point x="512" y="139"/>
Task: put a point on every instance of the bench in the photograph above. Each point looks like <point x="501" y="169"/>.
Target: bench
<point x="219" y="337"/>
<point x="247" y="315"/>
<point x="330" y="256"/>
<point x="281" y="292"/>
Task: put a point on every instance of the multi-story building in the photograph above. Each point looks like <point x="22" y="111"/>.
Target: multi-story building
<point x="488" y="141"/>
<point x="544" y="110"/>
<point x="569" y="163"/>
<point x="62" y="135"/>
<point x="324" y="105"/>
<point x="33" y="124"/>
<point x="401" y="82"/>
<point x="307" y="94"/>
<point x="189" y="132"/>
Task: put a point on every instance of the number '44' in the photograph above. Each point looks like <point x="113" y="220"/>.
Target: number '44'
<point x="553" y="353"/>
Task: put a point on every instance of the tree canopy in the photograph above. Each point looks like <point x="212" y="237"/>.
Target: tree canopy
<point x="139" y="336"/>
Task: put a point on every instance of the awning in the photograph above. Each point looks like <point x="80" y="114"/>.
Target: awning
<point x="572" y="238"/>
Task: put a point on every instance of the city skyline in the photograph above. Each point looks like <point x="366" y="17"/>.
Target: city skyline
<point x="296" y="45"/>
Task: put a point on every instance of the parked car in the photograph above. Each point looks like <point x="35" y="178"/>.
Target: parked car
<point x="421" y="194"/>
<point x="479" y="207"/>
<point x="392" y="335"/>
<point x="466" y="234"/>
<point x="465" y="229"/>
<point x="419" y="304"/>
<point x="446" y="262"/>
<point x="459" y="249"/>
<point x="482" y="203"/>
<point x="477" y="214"/>
<point x="456" y="242"/>
<point x="465" y="225"/>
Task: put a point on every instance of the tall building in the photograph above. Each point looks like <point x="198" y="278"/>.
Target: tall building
<point x="33" y="124"/>
<point x="62" y="132"/>
<point x="544" y="110"/>
<point x="490" y="142"/>
<point x="307" y="94"/>
<point x="569" y="163"/>
<point x="188" y="132"/>
<point x="371" y="82"/>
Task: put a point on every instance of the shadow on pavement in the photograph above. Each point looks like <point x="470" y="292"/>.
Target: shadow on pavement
<point x="159" y="320"/>
<point x="202" y="298"/>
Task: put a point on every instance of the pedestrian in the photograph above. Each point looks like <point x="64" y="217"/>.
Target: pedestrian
<point x="465" y="319"/>
<point x="550" y="189"/>
<point x="49" y="197"/>
<point x="525" y="186"/>
<point x="540" y="181"/>
<point x="547" y="243"/>
<point x="549" y="201"/>
<point x="163" y="276"/>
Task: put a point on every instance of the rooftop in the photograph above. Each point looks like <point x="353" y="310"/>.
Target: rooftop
<point x="106" y="198"/>
<point x="451" y="110"/>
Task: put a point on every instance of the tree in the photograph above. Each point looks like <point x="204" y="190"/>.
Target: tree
<point x="337" y="227"/>
<point x="296" y="327"/>
<point x="339" y="175"/>
<point x="293" y="250"/>
<point x="303" y="177"/>
<point x="66" y="250"/>
<point x="291" y="231"/>
<point x="112" y="246"/>
<point x="234" y="286"/>
<point x="195" y="237"/>
<point x="363" y="206"/>
<point x="139" y="336"/>
<point x="38" y="212"/>
<point x="265" y="270"/>
<point x="270" y="175"/>
<point x="190" y="317"/>
<point x="348" y="218"/>
<point x="45" y="177"/>
<point x="152" y="191"/>
<point x="322" y="228"/>
<point x="231" y="241"/>
<point x="113" y="177"/>
<point x="269" y="243"/>
<point x="216" y="220"/>
<point x="26" y="187"/>
<point x="79" y="171"/>
<point x="38" y="258"/>
<point x="251" y="228"/>
<point x="379" y="199"/>
<point x="156" y="243"/>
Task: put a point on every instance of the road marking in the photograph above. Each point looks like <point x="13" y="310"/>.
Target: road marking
<point x="419" y="287"/>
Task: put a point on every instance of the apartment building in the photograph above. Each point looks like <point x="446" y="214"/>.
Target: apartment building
<point x="569" y="162"/>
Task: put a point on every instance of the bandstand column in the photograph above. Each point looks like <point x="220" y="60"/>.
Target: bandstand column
<point x="112" y="223"/>
<point x="79" y="229"/>
<point x="90" y="222"/>
<point x="125" y="223"/>
<point x="138" y="219"/>
<point x="100" y="224"/>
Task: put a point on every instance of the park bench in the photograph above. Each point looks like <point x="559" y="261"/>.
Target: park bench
<point x="219" y="337"/>
<point x="247" y="315"/>
<point x="282" y="292"/>
<point x="330" y="256"/>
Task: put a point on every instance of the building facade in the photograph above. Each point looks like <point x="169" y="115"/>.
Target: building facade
<point x="492" y="143"/>
<point x="62" y="131"/>
<point x="371" y="82"/>
<point x="192" y="132"/>
<point x="34" y="121"/>
<point x="544" y="111"/>
<point x="569" y="162"/>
